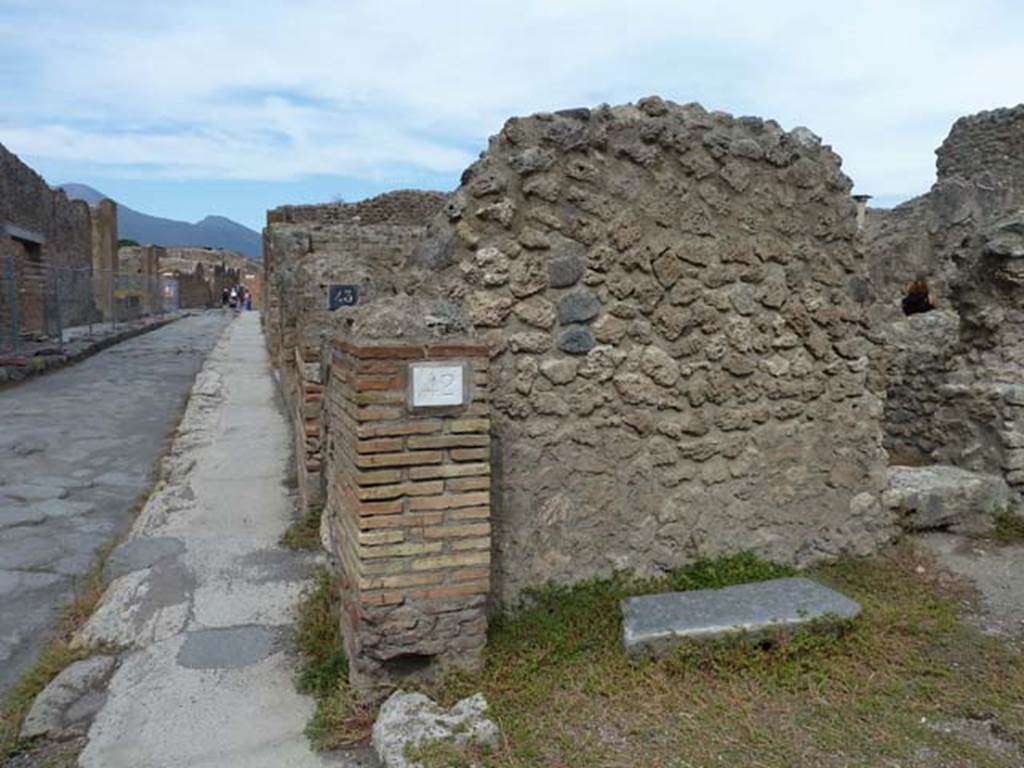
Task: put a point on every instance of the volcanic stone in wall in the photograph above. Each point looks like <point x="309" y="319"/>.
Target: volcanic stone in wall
<point x="953" y="374"/>
<point x="311" y="248"/>
<point x="680" y="359"/>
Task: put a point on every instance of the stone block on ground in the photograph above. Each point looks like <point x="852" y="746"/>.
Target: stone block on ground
<point x="412" y="719"/>
<point x="66" y="706"/>
<point x="655" y="624"/>
<point x="941" y="497"/>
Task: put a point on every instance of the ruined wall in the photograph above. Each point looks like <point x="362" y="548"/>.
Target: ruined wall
<point x="309" y="248"/>
<point x="920" y="357"/>
<point x="104" y="255"/>
<point x="978" y="204"/>
<point x="186" y="258"/>
<point x="27" y="202"/>
<point x="194" y="289"/>
<point x="137" y="289"/>
<point x="674" y="302"/>
<point x="252" y="279"/>
<point x="967" y="232"/>
<point x="221" y="277"/>
<point x="401" y="207"/>
<point x="217" y="268"/>
<point x="270" y="307"/>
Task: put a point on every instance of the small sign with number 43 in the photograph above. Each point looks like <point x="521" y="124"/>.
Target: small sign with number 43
<point x="437" y="385"/>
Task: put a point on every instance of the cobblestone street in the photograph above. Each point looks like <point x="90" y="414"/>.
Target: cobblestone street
<point x="76" y="450"/>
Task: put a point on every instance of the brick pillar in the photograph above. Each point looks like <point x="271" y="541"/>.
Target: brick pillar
<point x="409" y="503"/>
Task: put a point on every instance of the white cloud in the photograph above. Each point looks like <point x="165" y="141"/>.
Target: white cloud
<point x="284" y="89"/>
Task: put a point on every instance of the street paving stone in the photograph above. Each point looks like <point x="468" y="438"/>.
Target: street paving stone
<point x="207" y="670"/>
<point x="76" y="451"/>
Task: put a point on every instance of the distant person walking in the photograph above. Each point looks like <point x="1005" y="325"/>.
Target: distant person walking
<point x="248" y="299"/>
<point x="225" y="295"/>
<point x="233" y="298"/>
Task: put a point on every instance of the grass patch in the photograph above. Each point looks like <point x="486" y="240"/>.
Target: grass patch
<point x="57" y="653"/>
<point x="446" y="753"/>
<point x="323" y="669"/>
<point x="1008" y="529"/>
<point x="563" y="693"/>
<point x="303" y="534"/>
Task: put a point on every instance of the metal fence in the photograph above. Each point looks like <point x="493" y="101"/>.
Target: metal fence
<point x="43" y="306"/>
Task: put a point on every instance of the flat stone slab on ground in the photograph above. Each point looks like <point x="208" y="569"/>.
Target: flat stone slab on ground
<point x="654" y="624"/>
<point x="942" y="497"/>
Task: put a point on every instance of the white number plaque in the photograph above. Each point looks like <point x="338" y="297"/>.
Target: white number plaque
<point x="437" y="385"/>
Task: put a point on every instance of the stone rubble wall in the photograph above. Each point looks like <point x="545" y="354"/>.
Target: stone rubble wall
<point x="194" y="291"/>
<point x="203" y="273"/>
<point x="363" y="244"/>
<point x="692" y="352"/>
<point x="104" y="255"/>
<point x="270" y="307"/>
<point x="137" y="290"/>
<point x="952" y="395"/>
<point x="406" y="206"/>
<point x="408" y="510"/>
<point x="186" y="258"/>
<point x="26" y="201"/>
<point x="677" y="313"/>
<point x="921" y="354"/>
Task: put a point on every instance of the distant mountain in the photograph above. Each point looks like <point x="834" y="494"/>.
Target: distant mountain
<point x="213" y="231"/>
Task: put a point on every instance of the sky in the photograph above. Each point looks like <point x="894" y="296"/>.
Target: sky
<point x="231" y="107"/>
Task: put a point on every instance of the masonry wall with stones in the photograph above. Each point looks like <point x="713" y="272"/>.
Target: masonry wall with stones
<point x="202" y="273"/>
<point x="677" y="313"/>
<point x="193" y="289"/>
<point x="62" y="226"/>
<point x="137" y="291"/>
<point x="103" y="230"/>
<point x="309" y="248"/>
<point x="408" y="513"/>
<point x="954" y="392"/>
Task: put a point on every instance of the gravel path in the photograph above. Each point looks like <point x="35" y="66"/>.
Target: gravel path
<point x="996" y="571"/>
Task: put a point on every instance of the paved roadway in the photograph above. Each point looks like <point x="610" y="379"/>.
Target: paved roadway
<point x="76" y="450"/>
<point x="204" y="604"/>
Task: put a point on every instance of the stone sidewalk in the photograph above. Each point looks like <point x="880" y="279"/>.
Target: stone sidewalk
<point x="76" y="451"/>
<point x="204" y="599"/>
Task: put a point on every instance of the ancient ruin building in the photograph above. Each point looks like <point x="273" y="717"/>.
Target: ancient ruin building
<point x="633" y="337"/>
<point x="138" y="291"/>
<point x="675" y="306"/>
<point x="195" y="277"/>
<point x="954" y="394"/>
<point x="659" y="321"/>
<point x="360" y="246"/>
<point x="45" y="253"/>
